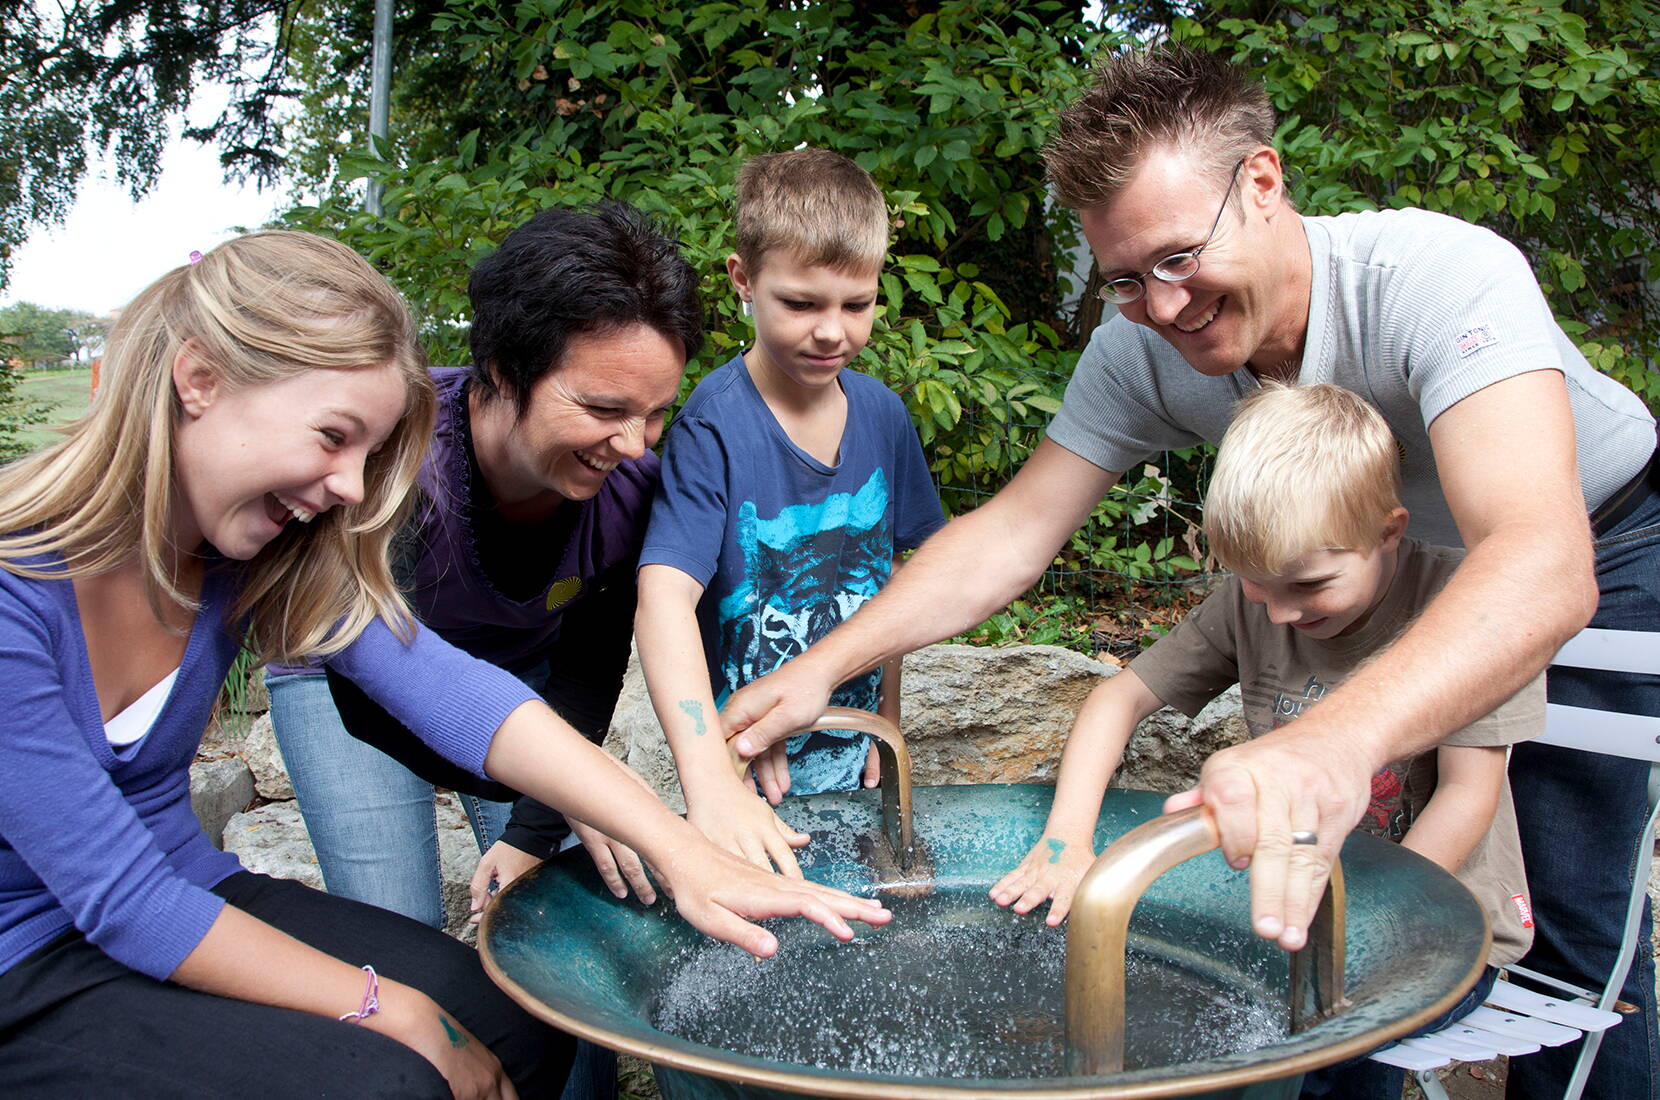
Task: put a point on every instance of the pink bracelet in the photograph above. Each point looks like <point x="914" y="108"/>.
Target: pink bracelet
<point x="371" y="1000"/>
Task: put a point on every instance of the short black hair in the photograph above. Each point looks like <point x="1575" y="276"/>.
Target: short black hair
<point x="567" y="272"/>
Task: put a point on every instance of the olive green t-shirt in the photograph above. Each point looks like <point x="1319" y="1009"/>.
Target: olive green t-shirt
<point x="1228" y="639"/>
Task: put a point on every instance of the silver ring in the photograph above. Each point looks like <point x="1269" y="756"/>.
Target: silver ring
<point x="1303" y="836"/>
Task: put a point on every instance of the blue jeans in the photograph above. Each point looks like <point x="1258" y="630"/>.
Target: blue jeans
<point x="1580" y="815"/>
<point x="1361" y="1079"/>
<point x="371" y="820"/>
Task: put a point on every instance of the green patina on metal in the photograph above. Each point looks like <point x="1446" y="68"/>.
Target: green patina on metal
<point x="566" y="948"/>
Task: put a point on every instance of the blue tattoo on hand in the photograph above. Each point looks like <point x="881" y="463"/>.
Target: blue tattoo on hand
<point x="457" y="1040"/>
<point x="694" y="711"/>
<point x="1056" y="847"/>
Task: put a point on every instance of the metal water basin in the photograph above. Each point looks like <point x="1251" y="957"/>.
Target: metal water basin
<point x="956" y="998"/>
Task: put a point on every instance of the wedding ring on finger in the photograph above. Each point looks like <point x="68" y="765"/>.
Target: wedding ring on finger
<point x="1303" y="836"/>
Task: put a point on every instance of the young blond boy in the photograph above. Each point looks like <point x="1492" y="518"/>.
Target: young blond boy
<point x="1304" y="510"/>
<point x="789" y="485"/>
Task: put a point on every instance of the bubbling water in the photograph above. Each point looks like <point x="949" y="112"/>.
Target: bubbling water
<point x="953" y="987"/>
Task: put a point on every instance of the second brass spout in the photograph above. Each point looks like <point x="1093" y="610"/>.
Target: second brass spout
<point x="1099" y="926"/>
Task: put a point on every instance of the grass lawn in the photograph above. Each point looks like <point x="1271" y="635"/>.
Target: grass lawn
<point x="67" y="391"/>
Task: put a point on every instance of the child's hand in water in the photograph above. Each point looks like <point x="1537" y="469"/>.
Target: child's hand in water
<point x="772" y="771"/>
<point x="1052" y="869"/>
<point x="743" y="824"/>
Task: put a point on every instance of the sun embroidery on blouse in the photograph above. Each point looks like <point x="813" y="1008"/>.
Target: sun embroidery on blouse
<point x="562" y="592"/>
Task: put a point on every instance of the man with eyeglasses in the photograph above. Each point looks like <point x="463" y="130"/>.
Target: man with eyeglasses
<point x="1507" y="436"/>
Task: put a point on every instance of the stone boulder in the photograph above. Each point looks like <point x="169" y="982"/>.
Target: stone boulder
<point x="973" y="714"/>
<point x="219" y="789"/>
<point x="1168" y="748"/>
<point x="271" y="840"/>
<point x="259" y="749"/>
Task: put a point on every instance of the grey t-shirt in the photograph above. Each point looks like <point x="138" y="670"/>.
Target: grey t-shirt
<point x="1227" y="639"/>
<point x="1413" y="311"/>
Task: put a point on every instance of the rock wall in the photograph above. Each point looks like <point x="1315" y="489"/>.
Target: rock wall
<point x="972" y="714"/>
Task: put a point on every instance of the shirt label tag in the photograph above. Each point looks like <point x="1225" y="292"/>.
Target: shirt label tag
<point x="1474" y="340"/>
<point x="1523" y="909"/>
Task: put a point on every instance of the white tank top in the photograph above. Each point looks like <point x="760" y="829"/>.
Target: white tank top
<point x="130" y="726"/>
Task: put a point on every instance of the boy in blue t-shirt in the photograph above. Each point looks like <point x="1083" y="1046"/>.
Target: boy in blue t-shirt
<point x="790" y="483"/>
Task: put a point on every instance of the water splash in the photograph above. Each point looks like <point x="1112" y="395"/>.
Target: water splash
<point x="953" y="987"/>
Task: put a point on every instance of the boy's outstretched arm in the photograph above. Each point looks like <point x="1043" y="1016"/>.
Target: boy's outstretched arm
<point x="1468" y="784"/>
<point x="1094" y="749"/>
<point x="671" y="655"/>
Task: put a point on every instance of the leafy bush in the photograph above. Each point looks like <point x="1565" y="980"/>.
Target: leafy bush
<point x="659" y="104"/>
<point x="16" y="413"/>
<point x="1538" y="119"/>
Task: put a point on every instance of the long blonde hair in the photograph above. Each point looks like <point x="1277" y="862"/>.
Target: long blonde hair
<point x="255" y="310"/>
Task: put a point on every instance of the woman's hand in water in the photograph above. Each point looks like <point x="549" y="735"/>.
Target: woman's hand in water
<point x="1051" y="870"/>
<point x="618" y="865"/>
<point x="743" y="824"/>
<point x="720" y="894"/>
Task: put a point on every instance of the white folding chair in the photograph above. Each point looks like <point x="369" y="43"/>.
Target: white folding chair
<point x="1516" y="1021"/>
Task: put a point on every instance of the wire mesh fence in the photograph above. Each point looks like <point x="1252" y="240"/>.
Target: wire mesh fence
<point x="1128" y="574"/>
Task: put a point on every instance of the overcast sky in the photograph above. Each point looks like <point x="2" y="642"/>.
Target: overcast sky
<point x="111" y="248"/>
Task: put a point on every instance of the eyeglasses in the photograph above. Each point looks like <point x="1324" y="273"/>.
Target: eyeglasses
<point x="1172" y="269"/>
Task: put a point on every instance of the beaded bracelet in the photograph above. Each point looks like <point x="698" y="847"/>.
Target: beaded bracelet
<point x="371" y="1000"/>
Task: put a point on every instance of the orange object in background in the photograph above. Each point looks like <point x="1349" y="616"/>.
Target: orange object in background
<point x="96" y="364"/>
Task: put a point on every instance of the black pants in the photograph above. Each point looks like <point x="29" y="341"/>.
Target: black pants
<point x="76" y="1023"/>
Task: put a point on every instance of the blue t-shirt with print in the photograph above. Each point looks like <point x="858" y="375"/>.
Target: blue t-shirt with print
<point x="786" y="547"/>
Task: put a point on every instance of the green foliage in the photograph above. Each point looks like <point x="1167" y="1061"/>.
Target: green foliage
<point x="1062" y="621"/>
<point x="1538" y="119"/>
<point x="1148" y="528"/>
<point x="41" y="337"/>
<point x="112" y="76"/>
<point x="17" y="413"/>
<point x="658" y="104"/>
<point x="234" y="707"/>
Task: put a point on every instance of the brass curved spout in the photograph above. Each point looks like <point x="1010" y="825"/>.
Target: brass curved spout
<point x="1099" y="925"/>
<point x="895" y="759"/>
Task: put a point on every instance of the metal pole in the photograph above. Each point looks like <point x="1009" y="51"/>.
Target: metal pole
<point x="380" y="92"/>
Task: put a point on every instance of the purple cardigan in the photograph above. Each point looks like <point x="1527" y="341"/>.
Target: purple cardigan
<point x="104" y="839"/>
<point x="448" y="585"/>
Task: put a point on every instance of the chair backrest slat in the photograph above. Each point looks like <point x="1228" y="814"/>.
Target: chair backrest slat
<point x="1635" y="736"/>
<point x="1612" y="651"/>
